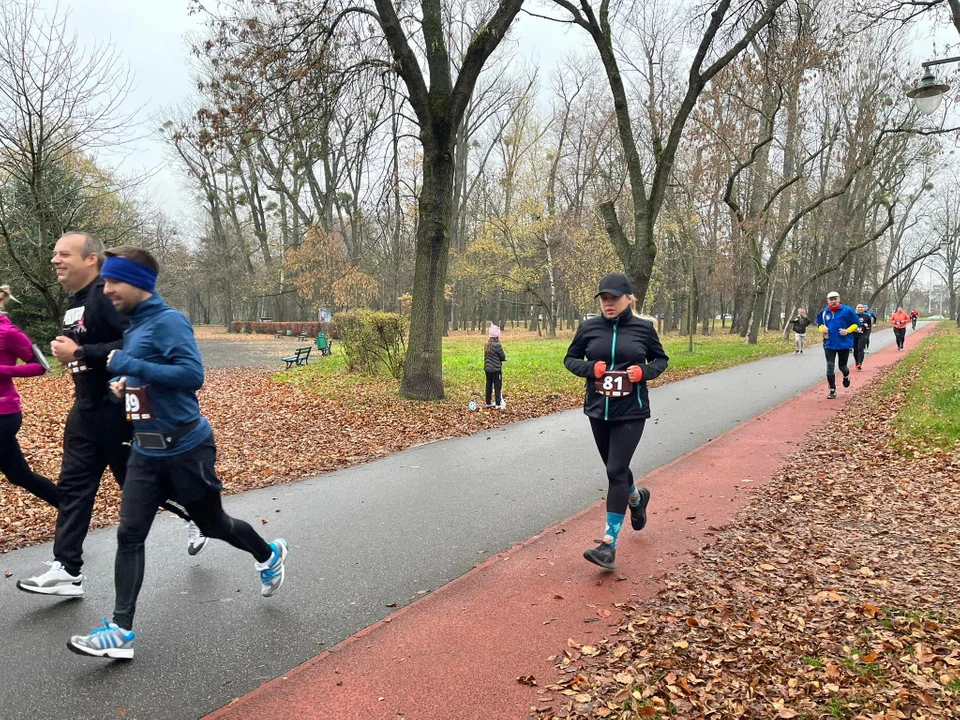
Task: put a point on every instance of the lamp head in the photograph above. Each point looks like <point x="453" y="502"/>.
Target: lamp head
<point x="928" y="95"/>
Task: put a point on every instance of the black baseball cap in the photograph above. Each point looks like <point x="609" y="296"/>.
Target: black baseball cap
<point x="615" y="284"/>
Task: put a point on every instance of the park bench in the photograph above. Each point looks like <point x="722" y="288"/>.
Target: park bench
<point x="300" y="357"/>
<point x="302" y="336"/>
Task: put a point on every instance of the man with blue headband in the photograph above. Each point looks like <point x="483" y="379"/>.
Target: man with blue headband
<point x="158" y="373"/>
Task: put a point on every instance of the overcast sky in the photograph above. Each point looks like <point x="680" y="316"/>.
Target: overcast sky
<point x="150" y="36"/>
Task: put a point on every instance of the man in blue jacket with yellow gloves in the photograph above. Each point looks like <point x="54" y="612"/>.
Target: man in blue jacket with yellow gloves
<point x="837" y="324"/>
<point x="158" y="374"/>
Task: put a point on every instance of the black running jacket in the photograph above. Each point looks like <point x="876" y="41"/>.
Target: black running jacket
<point x="624" y="341"/>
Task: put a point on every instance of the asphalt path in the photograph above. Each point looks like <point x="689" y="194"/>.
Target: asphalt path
<point x="363" y="541"/>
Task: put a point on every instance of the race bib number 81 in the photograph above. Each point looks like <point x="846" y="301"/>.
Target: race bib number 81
<point x="614" y="384"/>
<point x="137" y="404"/>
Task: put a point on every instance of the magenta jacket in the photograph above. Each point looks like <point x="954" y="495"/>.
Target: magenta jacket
<point x="14" y="345"/>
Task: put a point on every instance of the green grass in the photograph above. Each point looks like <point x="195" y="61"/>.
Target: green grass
<point x="813" y="662"/>
<point x="539" y="362"/>
<point x="535" y="365"/>
<point x="933" y="398"/>
<point x="838" y="708"/>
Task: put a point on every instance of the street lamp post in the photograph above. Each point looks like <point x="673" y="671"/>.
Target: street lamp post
<point x="928" y="95"/>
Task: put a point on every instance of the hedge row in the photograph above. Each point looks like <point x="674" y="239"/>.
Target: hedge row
<point x="295" y="328"/>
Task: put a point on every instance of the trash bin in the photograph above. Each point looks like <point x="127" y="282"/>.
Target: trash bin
<point x="322" y="343"/>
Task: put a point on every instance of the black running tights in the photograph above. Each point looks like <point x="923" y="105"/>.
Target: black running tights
<point x="135" y="521"/>
<point x="617" y="441"/>
<point x="14" y="465"/>
<point x="833" y="358"/>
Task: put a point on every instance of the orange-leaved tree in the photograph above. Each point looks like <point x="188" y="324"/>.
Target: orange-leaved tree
<point x="324" y="275"/>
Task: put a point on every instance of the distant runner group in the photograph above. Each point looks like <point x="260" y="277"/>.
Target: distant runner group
<point x="846" y="329"/>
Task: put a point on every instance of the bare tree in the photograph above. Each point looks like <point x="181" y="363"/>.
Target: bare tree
<point x="647" y="190"/>
<point x="59" y="104"/>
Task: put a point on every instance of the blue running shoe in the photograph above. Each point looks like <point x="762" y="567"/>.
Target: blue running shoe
<point x="109" y="641"/>
<point x="271" y="572"/>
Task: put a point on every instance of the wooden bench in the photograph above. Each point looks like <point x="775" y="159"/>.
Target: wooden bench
<point x="300" y="357"/>
<point x="302" y="337"/>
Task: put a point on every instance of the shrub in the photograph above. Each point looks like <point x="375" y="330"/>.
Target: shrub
<point x="288" y="328"/>
<point x="372" y="340"/>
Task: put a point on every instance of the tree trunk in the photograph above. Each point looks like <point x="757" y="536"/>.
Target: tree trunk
<point x="423" y="368"/>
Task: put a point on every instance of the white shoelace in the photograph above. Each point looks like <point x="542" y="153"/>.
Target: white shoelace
<point x="193" y="533"/>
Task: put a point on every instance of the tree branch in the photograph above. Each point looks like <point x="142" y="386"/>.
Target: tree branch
<point x="484" y="42"/>
<point x="405" y="61"/>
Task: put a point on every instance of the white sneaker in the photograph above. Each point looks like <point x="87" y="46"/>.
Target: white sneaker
<point x="271" y="571"/>
<point x="107" y="641"/>
<point x="196" y="540"/>
<point x="55" y="581"/>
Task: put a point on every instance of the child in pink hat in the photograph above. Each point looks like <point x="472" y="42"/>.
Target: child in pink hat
<point x="493" y="359"/>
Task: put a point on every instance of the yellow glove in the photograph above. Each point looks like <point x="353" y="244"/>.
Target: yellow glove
<point x="823" y="328"/>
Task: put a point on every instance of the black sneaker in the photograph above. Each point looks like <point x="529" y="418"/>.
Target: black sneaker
<point x="603" y="555"/>
<point x="638" y="514"/>
<point x="846" y="381"/>
<point x="832" y="395"/>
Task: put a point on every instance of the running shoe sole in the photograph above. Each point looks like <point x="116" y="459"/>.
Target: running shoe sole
<point x="69" y="590"/>
<point x="111" y="653"/>
<point x="638" y="514"/>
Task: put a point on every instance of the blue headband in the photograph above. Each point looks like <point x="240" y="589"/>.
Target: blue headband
<point x="130" y="272"/>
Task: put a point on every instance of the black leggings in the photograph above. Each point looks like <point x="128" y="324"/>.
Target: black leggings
<point x="148" y="482"/>
<point x="860" y="341"/>
<point x="900" y="334"/>
<point x="617" y="441"/>
<point x="93" y="440"/>
<point x="14" y="465"/>
<point x="834" y="356"/>
<point x="494" y="382"/>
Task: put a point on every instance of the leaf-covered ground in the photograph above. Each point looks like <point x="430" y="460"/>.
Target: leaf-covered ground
<point x="833" y="595"/>
<point x="267" y="433"/>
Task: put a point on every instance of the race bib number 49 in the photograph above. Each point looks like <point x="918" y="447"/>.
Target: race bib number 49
<point x="614" y="384"/>
<point x="137" y="404"/>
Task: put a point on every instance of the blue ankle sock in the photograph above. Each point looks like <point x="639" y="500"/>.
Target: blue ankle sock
<point x="634" y="498"/>
<point x="614" y="521"/>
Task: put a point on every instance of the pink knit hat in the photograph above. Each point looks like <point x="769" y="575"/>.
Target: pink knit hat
<point x="494" y="331"/>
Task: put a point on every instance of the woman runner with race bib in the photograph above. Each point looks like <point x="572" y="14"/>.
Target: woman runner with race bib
<point x="617" y="352"/>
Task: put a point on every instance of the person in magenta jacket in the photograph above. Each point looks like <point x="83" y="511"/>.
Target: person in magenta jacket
<point x="14" y="346"/>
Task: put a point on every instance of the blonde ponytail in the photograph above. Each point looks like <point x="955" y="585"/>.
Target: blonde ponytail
<point x="5" y="296"/>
